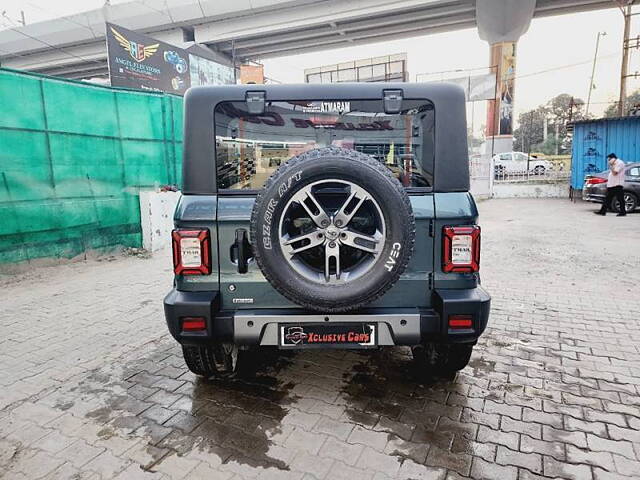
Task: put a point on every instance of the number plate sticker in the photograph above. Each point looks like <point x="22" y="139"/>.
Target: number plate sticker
<point x="461" y="249"/>
<point x="350" y="335"/>
<point x="190" y="252"/>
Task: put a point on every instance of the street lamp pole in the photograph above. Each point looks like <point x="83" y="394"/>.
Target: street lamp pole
<point x="593" y="72"/>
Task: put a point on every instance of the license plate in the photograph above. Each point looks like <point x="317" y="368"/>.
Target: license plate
<point x="353" y="335"/>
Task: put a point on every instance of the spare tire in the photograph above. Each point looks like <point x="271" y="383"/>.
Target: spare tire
<point x="332" y="230"/>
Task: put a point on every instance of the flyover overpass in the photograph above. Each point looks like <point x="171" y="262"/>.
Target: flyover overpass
<point x="240" y="30"/>
<point x="74" y="46"/>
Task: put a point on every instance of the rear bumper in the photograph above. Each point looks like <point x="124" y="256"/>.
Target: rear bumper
<point x="396" y="326"/>
<point x="590" y="194"/>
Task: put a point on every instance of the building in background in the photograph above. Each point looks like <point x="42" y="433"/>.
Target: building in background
<point x="252" y="74"/>
<point x="389" y="68"/>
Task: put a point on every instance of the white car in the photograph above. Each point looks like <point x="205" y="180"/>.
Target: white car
<point x="516" y="162"/>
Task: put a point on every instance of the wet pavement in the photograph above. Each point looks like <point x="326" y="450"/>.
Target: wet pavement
<point x="92" y="386"/>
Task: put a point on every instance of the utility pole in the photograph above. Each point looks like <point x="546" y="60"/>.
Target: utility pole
<point x="529" y="146"/>
<point x="233" y="61"/>
<point x="625" y="8"/>
<point x="571" y="104"/>
<point x="593" y="71"/>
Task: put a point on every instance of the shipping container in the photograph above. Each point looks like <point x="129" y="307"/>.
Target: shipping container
<point x="593" y="140"/>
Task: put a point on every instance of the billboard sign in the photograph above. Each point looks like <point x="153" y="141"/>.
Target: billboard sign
<point x="206" y="72"/>
<point x="142" y="62"/>
<point x="482" y="87"/>
<point x="476" y="87"/>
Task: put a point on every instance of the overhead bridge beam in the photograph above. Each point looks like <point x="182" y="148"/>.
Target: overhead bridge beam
<point x="274" y="46"/>
<point x="547" y="8"/>
<point x="319" y="13"/>
<point x="257" y="28"/>
<point x="342" y="42"/>
<point x="375" y="24"/>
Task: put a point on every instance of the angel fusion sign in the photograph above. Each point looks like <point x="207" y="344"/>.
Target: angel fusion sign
<point x="139" y="61"/>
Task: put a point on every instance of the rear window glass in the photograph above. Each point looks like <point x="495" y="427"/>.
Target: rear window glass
<point x="250" y="147"/>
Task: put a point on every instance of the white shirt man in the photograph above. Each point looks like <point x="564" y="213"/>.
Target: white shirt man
<point x="615" y="184"/>
<point x="616" y="172"/>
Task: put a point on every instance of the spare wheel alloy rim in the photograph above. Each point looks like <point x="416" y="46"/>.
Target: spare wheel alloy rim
<point x="332" y="231"/>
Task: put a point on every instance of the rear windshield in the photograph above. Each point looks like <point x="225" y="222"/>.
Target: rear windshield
<point x="249" y="147"/>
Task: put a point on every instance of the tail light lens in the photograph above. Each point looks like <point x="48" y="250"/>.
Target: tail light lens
<point x="461" y="249"/>
<point x="460" y="321"/>
<point x="191" y="252"/>
<point x="595" y="180"/>
<point x="193" y="324"/>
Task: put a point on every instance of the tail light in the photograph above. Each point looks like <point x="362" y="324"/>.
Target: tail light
<point x="460" y="321"/>
<point x="193" y="324"/>
<point x="191" y="252"/>
<point x="461" y="249"/>
<point x="595" y="180"/>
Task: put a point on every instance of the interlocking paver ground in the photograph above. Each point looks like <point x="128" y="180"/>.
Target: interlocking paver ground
<point x="92" y="386"/>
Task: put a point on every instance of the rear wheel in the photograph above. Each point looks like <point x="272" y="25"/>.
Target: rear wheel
<point x="630" y="203"/>
<point x="539" y="170"/>
<point x="442" y="359"/>
<point x="219" y="360"/>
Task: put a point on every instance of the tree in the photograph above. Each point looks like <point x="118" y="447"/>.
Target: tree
<point x="563" y="109"/>
<point x="549" y="147"/>
<point x="557" y="113"/>
<point x="632" y="101"/>
<point x="530" y="129"/>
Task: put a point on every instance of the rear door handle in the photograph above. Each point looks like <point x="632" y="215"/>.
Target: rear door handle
<point x="241" y="250"/>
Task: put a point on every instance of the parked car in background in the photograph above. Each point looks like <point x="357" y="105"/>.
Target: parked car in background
<point x="595" y="188"/>
<point x="516" y="162"/>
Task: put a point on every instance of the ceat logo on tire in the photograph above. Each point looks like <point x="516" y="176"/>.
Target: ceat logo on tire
<point x="295" y="335"/>
<point x="395" y="252"/>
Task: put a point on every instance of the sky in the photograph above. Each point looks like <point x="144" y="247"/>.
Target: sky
<point x="554" y="56"/>
<point x="546" y="58"/>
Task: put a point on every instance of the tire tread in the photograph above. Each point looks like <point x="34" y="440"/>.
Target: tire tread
<point x="200" y="359"/>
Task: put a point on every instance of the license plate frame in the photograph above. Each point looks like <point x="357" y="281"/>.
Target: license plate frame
<point x="305" y="334"/>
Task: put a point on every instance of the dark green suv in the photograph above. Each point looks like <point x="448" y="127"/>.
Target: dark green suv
<point x="326" y="216"/>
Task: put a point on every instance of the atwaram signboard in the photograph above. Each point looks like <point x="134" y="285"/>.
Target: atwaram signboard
<point x="139" y="61"/>
<point x="289" y="123"/>
<point x="279" y="117"/>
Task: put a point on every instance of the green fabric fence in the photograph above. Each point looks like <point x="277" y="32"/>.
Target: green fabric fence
<point x="73" y="158"/>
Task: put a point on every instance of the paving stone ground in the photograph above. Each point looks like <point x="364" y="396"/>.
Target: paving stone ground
<point x="92" y="386"/>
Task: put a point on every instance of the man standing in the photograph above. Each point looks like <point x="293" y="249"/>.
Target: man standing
<point x="614" y="185"/>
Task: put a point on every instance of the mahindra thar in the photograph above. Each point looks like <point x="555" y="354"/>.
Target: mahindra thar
<point x="326" y="216"/>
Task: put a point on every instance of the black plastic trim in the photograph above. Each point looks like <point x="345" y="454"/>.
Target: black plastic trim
<point x="473" y="301"/>
<point x="433" y="322"/>
<point x="179" y="304"/>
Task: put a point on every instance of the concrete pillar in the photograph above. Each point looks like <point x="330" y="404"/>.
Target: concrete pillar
<point x="500" y="110"/>
<point x="501" y="23"/>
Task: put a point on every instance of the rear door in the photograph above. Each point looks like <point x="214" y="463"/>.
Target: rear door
<point x="520" y="162"/>
<point x="506" y="160"/>
<point x="250" y="147"/>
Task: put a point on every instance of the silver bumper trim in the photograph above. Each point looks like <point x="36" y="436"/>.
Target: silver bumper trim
<point x="397" y="328"/>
